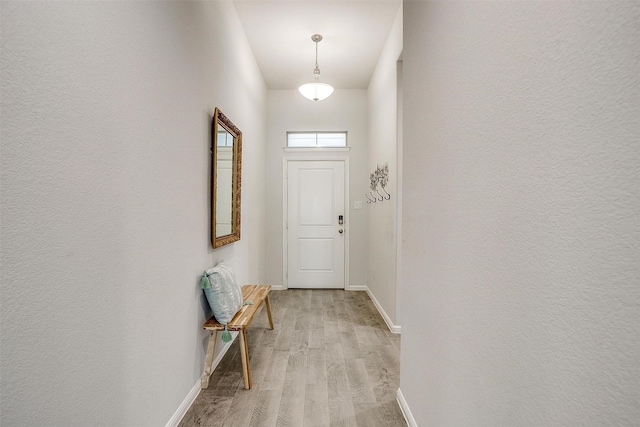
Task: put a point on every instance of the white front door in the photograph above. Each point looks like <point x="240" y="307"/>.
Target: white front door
<point x="315" y="237"/>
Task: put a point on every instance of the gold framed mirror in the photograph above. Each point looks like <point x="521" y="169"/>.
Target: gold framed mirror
<point x="226" y="170"/>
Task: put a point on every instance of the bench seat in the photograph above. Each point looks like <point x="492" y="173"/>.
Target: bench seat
<point x="257" y="294"/>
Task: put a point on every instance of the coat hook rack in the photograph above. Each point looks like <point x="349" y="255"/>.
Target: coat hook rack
<point x="379" y="177"/>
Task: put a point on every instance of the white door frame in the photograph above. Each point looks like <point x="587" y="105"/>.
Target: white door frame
<point x="311" y="154"/>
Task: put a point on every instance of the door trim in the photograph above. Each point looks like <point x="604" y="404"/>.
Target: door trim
<point x="313" y="156"/>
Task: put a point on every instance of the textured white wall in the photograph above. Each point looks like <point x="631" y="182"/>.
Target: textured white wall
<point x="105" y="202"/>
<point x="289" y="111"/>
<point x="521" y="240"/>
<point x="383" y="131"/>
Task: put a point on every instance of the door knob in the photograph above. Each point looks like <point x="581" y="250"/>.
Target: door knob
<point x="341" y="231"/>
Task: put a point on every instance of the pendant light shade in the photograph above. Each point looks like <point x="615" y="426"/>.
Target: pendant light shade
<point x="316" y="91"/>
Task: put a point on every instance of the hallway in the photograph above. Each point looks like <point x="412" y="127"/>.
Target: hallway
<point x="331" y="360"/>
<point x="507" y="255"/>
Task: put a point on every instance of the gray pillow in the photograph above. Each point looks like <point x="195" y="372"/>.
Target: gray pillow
<point x="222" y="291"/>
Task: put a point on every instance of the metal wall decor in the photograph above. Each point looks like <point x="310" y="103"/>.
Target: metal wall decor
<point x="378" y="178"/>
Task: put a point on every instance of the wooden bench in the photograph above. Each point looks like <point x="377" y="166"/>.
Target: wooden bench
<point x="257" y="294"/>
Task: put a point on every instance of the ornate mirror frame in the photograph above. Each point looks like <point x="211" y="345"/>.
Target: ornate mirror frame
<point x="226" y="171"/>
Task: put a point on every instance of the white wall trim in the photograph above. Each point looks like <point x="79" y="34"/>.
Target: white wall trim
<point x="404" y="407"/>
<point x="356" y="288"/>
<point x="316" y="149"/>
<point x="399" y="168"/>
<point x="184" y="406"/>
<point x="195" y="390"/>
<point x="393" y="328"/>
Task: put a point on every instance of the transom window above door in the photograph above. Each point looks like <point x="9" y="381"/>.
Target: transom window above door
<point x="316" y="139"/>
<point x="225" y="139"/>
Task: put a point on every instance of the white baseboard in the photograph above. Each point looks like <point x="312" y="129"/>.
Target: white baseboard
<point x="393" y="328"/>
<point x="348" y="288"/>
<point x="184" y="407"/>
<point x="195" y="390"/>
<point x="408" y="416"/>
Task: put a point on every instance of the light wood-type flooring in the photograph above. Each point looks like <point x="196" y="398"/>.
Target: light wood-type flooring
<point x="331" y="361"/>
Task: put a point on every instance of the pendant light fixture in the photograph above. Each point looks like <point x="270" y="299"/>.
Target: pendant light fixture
<point x="316" y="91"/>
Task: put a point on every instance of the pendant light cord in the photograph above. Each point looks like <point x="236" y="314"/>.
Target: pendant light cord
<point x="316" y="71"/>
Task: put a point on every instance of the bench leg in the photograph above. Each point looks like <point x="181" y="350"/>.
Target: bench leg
<point x="244" y="354"/>
<point x="268" y="304"/>
<point x="206" y="376"/>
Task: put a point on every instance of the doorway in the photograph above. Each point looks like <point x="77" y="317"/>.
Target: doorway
<point x="316" y="224"/>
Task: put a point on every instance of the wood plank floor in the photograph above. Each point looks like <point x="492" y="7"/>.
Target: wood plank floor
<point x="331" y="361"/>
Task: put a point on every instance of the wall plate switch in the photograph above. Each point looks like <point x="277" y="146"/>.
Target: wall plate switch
<point x="357" y="204"/>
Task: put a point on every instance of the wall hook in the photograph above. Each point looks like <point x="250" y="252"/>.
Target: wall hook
<point x="368" y="198"/>
<point x="379" y="177"/>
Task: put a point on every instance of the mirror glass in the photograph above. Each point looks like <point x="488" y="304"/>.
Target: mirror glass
<point x="225" y="180"/>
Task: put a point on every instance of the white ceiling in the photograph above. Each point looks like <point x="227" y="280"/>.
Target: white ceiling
<point x="354" y="32"/>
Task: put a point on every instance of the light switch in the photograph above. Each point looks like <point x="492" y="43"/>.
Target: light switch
<point x="357" y="204"/>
